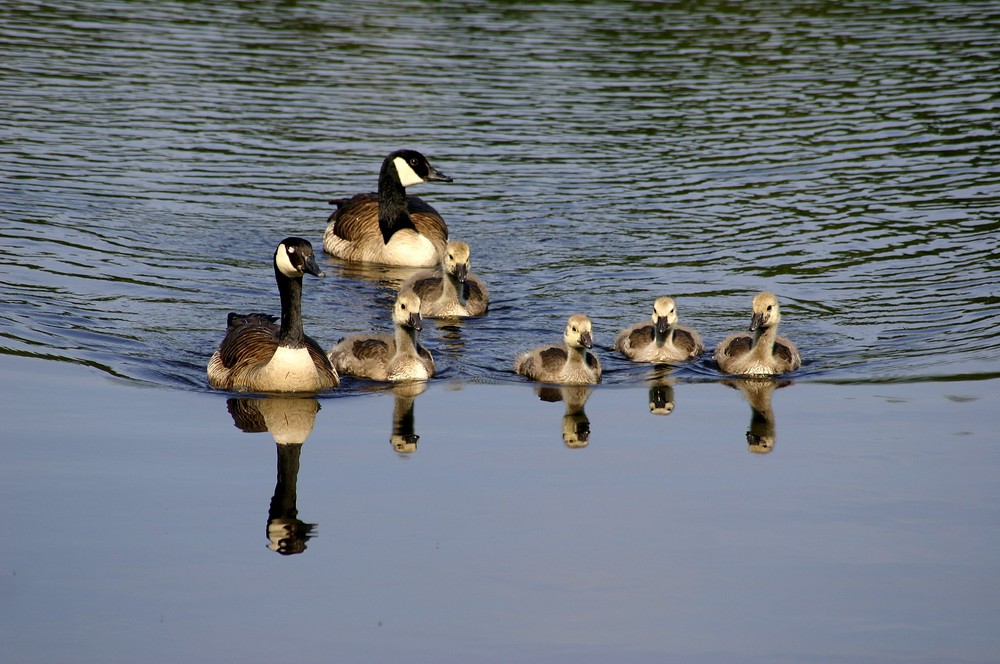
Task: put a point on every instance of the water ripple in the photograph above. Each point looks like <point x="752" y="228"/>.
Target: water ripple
<point x="843" y="155"/>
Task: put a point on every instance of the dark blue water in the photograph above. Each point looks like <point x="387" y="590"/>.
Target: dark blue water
<point x="841" y="155"/>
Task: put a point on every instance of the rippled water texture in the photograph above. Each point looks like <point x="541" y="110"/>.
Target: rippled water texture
<point x="844" y="155"/>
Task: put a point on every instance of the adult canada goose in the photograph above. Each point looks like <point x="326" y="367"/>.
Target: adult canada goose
<point x="388" y="357"/>
<point x="390" y="227"/>
<point x="763" y="351"/>
<point x="571" y="364"/>
<point x="453" y="291"/>
<point x="257" y="355"/>
<point x="661" y="340"/>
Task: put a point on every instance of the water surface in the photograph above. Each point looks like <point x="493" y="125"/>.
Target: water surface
<point x="844" y="155"/>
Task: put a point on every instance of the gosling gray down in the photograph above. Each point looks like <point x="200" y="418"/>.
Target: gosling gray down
<point x="396" y="357"/>
<point x="453" y="291"/>
<point x="662" y="339"/>
<point x="760" y="351"/>
<point x="258" y="355"/>
<point x="389" y="227"/>
<point x="571" y="364"/>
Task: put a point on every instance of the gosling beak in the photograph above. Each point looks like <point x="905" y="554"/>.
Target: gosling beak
<point x="461" y="273"/>
<point x="414" y="322"/>
<point x="586" y="340"/>
<point x="311" y="267"/>
<point x="434" y="175"/>
<point x="756" y="321"/>
<point x="661" y="325"/>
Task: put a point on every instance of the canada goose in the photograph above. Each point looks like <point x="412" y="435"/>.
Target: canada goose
<point x="390" y="227"/>
<point x="388" y="357"/>
<point x="453" y="291"/>
<point x="763" y="352"/>
<point x="661" y="340"/>
<point x="257" y="355"/>
<point x="571" y="364"/>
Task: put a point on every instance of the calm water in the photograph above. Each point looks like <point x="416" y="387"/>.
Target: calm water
<point x="843" y="155"/>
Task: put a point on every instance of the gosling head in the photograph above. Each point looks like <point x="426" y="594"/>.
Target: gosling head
<point x="456" y="260"/>
<point x="406" y="312"/>
<point x="294" y="257"/>
<point x="664" y="314"/>
<point x="765" y="311"/>
<point x="578" y="334"/>
<point x="412" y="168"/>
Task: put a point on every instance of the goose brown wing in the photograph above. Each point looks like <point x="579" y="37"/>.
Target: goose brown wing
<point x="427" y="220"/>
<point x="252" y="342"/>
<point x="641" y="336"/>
<point x="552" y="358"/>
<point x="684" y="339"/>
<point x="355" y="216"/>
<point x="428" y="287"/>
<point x="371" y="349"/>
<point x="320" y="358"/>
<point x="784" y="352"/>
<point x="738" y="346"/>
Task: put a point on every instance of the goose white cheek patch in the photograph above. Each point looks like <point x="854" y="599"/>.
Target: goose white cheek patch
<point x="285" y="265"/>
<point x="407" y="176"/>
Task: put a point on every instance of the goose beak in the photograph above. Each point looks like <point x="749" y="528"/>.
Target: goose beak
<point x="586" y="340"/>
<point x="756" y="321"/>
<point x="311" y="267"/>
<point x="461" y="273"/>
<point x="414" y="322"/>
<point x="661" y="325"/>
<point x="434" y="175"/>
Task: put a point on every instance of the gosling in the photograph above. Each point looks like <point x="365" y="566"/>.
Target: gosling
<point x="763" y="352"/>
<point x="662" y="340"/>
<point x="452" y="292"/>
<point x="393" y="358"/>
<point x="571" y="364"/>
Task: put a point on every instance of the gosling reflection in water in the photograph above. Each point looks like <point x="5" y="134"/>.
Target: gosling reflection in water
<point x="575" y="423"/>
<point x="289" y="421"/>
<point x="404" y="437"/>
<point x="661" y="392"/>
<point x="757" y="391"/>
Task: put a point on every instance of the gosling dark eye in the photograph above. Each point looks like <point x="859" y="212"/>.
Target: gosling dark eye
<point x="769" y="307"/>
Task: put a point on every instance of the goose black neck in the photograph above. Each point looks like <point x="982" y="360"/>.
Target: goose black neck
<point x="290" y="290"/>
<point x="392" y="211"/>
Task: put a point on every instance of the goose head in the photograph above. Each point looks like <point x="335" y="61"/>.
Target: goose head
<point x="456" y="260"/>
<point x="578" y="334"/>
<point x="410" y="168"/>
<point x="294" y="257"/>
<point x="765" y="311"/>
<point x="664" y="314"/>
<point x="406" y="312"/>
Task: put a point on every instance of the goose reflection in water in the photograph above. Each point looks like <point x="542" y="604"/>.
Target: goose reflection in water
<point x="404" y="437"/>
<point x="289" y="421"/>
<point x="575" y="423"/>
<point x="757" y="391"/>
<point x="661" y="391"/>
